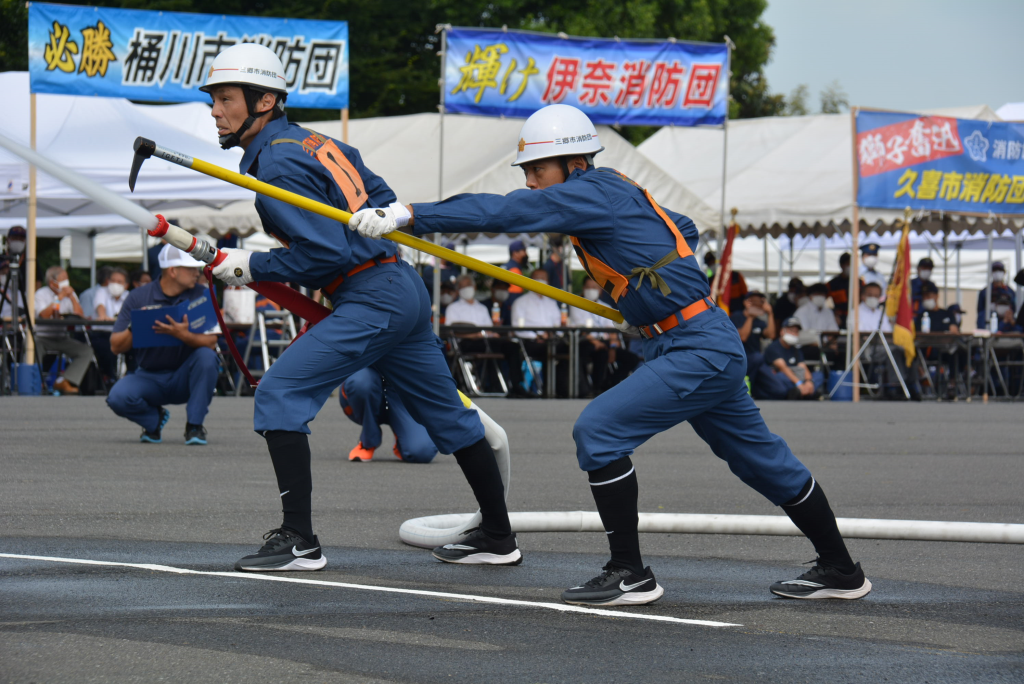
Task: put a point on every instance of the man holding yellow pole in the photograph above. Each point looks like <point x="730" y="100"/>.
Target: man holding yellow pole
<point x="642" y="256"/>
<point x="381" y="315"/>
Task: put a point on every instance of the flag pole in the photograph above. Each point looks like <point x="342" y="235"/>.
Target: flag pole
<point x="436" y="285"/>
<point x="853" y="322"/>
<point x="30" y="258"/>
<point x="729" y="45"/>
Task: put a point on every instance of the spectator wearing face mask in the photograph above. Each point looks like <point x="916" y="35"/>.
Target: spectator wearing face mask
<point x="602" y="351"/>
<point x="939" y="319"/>
<point x="753" y="323"/>
<point x="531" y="309"/>
<point x="88" y="296"/>
<point x="784" y="374"/>
<point x="107" y="303"/>
<point x="924" y="275"/>
<point x="466" y="310"/>
<point x="869" y="263"/>
<point x="448" y="295"/>
<point x="815" y="314"/>
<point x="1003" y="306"/>
<point x="54" y="300"/>
<point x="517" y="263"/>
<point x="870" y="312"/>
<point x="839" y="291"/>
<point x="796" y="296"/>
<point x="498" y="304"/>
<point x="999" y="288"/>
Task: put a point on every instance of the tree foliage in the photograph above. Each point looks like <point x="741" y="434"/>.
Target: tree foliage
<point x="834" y="99"/>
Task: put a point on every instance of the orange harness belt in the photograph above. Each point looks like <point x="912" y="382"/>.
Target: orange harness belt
<point x="663" y="326"/>
<point x="329" y="289"/>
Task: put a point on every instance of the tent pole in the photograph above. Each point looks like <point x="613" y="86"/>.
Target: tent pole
<point x="30" y="258"/>
<point x="92" y="258"/>
<point x="853" y="326"/>
<point x="821" y="258"/>
<point x="945" y="270"/>
<point x="723" y="226"/>
<point x="344" y="125"/>
<point x="440" y="180"/>
<point x="782" y="261"/>
<point x="959" y="298"/>
<point x="764" y="243"/>
<point x="988" y="287"/>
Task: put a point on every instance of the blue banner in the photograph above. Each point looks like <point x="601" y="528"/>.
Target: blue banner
<point x="165" y="56"/>
<point x="514" y="73"/>
<point x="939" y="163"/>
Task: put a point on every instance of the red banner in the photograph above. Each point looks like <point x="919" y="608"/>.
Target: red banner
<point x="907" y="143"/>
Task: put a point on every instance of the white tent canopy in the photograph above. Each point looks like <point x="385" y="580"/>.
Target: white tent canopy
<point x="478" y="153"/>
<point x="1011" y="111"/>
<point x="94" y="136"/>
<point x="790" y="175"/>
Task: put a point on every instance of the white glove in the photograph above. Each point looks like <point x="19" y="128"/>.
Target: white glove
<point x="234" y="270"/>
<point x="376" y="223"/>
<point x="625" y="327"/>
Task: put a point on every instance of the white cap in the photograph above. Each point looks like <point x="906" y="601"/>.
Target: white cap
<point x="557" y="131"/>
<point x="247" y="64"/>
<point x="172" y="256"/>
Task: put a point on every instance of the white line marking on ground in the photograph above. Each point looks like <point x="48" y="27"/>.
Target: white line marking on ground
<point x="564" y="608"/>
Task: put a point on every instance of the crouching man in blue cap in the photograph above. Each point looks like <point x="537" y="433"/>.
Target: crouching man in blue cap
<point x="182" y="374"/>
<point x="642" y="256"/>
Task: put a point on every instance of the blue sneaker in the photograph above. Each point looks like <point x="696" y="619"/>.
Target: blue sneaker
<point x="195" y="434"/>
<point x="154" y="437"/>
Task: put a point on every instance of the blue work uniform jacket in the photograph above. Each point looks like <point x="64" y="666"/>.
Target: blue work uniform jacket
<point x="610" y="216"/>
<point x="318" y="248"/>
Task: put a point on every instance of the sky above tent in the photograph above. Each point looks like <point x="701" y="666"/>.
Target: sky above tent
<point x="911" y="54"/>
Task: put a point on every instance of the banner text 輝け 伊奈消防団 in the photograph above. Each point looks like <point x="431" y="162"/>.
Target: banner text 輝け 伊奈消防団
<point x="166" y="56"/>
<point x="939" y="163"/>
<point x="511" y="73"/>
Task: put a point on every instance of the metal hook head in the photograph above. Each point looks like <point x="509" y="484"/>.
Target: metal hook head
<point x="144" y="149"/>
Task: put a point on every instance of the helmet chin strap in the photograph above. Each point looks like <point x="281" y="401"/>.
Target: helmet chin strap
<point x="251" y="98"/>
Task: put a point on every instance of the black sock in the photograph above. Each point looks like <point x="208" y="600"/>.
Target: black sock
<point x="481" y="470"/>
<point x="810" y="512"/>
<point x="290" y="453"/>
<point x="616" y="492"/>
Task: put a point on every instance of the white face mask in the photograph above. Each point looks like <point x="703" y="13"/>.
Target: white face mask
<point x="926" y="274"/>
<point x="929" y="304"/>
<point x="1001" y="309"/>
<point x="542" y="280"/>
<point x="870" y="261"/>
<point x="871" y="302"/>
<point x="467" y="293"/>
<point x="790" y="339"/>
<point x="446" y="299"/>
<point x="818" y="301"/>
<point x="958" y="318"/>
<point x="61" y="284"/>
<point x="115" y="289"/>
<point x="791" y="296"/>
<point x="16" y="246"/>
<point x="997" y="276"/>
<point x="591" y="293"/>
<point x="499" y="295"/>
<point x="802" y="301"/>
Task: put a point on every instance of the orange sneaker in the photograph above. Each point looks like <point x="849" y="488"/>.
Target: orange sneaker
<point x="65" y="387"/>
<point x="360" y="453"/>
<point x="396" y="451"/>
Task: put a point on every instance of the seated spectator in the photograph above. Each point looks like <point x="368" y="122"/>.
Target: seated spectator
<point x="502" y="315"/>
<point x="466" y="310"/>
<point x="939" y="320"/>
<point x="871" y="314"/>
<point x="815" y="314"/>
<point x="365" y="399"/>
<point x="180" y="374"/>
<point x="958" y="315"/>
<point x="754" y="323"/>
<point x="55" y="301"/>
<point x="140" y="278"/>
<point x="601" y="350"/>
<point x="839" y="291"/>
<point x="784" y="374"/>
<point x="531" y="309"/>
<point x="448" y="295"/>
<point x="107" y="305"/>
<point x="794" y="299"/>
<point x="518" y="262"/>
<point x="999" y="288"/>
<point x="87" y="298"/>
<point x="555" y="264"/>
<point x="924" y="275"/>
<point x="1003" y="306"/>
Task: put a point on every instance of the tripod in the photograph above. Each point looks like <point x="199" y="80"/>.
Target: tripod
<point x="863" y="348"/>
<point x="14" y="300"/>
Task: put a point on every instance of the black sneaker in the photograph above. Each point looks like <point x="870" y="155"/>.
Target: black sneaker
<point x="616" y="587"/>
<point x="284" y="550"/>
<point x="479" y="549"/>
<point x="823" y="582"/>
<point x="153" y="436"/>
<point x="195" y="434"/>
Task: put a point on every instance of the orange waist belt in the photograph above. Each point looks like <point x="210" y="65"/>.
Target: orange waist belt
<point x="329" y="290"/>
<point x="663" y="326"/>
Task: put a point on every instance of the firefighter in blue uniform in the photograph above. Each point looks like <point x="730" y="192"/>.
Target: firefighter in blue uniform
<point x="380" y="318"/>
<point x="367" y="400"/>
<point x="642" y="255"/>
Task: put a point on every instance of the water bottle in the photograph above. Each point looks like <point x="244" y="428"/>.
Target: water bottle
<point x="926" y="323"/>
<point x="565" y="314"/>
<point x="496" y="313"/>
<point x="993" y="323"/>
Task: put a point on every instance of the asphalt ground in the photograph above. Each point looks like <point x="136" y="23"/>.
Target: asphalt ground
<point x="76" y="484"/>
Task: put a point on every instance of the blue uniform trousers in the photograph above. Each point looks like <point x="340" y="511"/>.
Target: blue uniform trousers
<point x="138" y="396"/>
<point x="381" y="320"/>
<point x="693" y="372"/>
<point x="362" y="399"/>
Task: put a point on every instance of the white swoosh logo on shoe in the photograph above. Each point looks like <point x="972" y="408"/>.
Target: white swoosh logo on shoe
<point x="804" y="583"/>
<point x="460" y="547"/>
<point x="296" y="552"/>
<point x="630" y="587"/>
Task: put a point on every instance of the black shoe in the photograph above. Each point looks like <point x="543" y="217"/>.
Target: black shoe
<point x="195" y="434"/>
<point x="153" y="436"/>
<point x="823" y="582"/>
<point x="479" y="549"/>
<point x="616" y="587"/>
<point x="285" y="550"/>
<point x="793" y="393"/>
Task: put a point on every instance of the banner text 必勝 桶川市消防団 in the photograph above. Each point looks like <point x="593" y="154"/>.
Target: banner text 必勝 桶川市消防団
<point x="166" y="56"/>
<point x="939" y="163"/>
<point x="515" y="73"/>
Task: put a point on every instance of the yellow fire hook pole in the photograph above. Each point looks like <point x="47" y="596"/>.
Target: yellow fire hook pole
<point x="399" y="237"/>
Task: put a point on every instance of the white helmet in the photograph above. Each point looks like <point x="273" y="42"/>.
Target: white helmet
<point x="557" y="131"/>
<point x="247" y="64"/>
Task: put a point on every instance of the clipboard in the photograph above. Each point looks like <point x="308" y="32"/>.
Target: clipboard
<point x="201" y="318"/>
